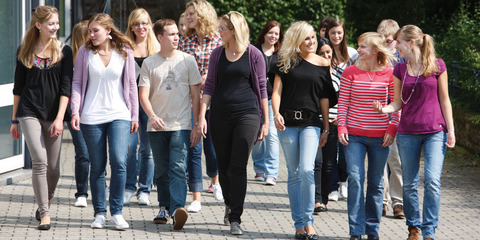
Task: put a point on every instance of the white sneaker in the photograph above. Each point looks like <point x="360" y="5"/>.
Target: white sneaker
<point x="270" y="181"/>
<point x="344" y="190"/>
<point x="217" y="192"/>
<point x="333" y="196"/>
<point x="143" y="199"/>
<point x="127" y="195"/>
<point x="120" y="223"/>
<point x="81" y="202"/>
<point x="194" y="207"/>
<point x="99" y="222"/>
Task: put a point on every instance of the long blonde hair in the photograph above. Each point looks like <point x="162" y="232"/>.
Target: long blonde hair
<point x="135" y="15"/>
<point x="293" y="38"/>
<point x="26" y="55"/>
<point x="118" y="41"/>
<point x="377" y="42"/>
<point x="79" y="36"/>
<point x="236" y="22"/>
<point x="206" y="15"/>
<point x="426" y="44"/>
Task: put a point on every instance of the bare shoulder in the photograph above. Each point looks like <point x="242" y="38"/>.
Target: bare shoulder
<point x="320" y="61"/>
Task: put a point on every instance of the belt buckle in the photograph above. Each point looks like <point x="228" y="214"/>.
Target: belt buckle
<point x="297" y="115"/>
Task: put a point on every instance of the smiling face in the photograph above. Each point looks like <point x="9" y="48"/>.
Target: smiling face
<point x="336" y="35"/>
<point x="309" y="43"/>
<point x="326" y="52"/>
<point x="272" y="36"/>
<point x="97" y="33"/>
<point x="49" y="28"/>
<point x="365" y="51"/>
<point x="141" y="27"/>
<point x="192" y="19"/>
<point x="226" y="34"/>
<point x="404" y="47"/>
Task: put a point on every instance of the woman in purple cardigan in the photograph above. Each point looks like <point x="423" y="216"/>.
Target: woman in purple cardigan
<point x="236" y="88"/>
<point x="105" y="106"/>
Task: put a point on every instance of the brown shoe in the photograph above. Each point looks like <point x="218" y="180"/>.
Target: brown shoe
<point x="384" y="210"/>
<point x="413" y="233"/>
<point x="398" y="212"/>
<point x="428" y="239"/>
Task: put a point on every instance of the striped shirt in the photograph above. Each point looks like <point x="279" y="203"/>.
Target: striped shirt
<point x="358" y="90"/>
<point x="201" y="51"/>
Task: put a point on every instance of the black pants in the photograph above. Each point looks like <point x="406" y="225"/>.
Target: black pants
<point x="325" y="161"/>
<point x="233" y="138"/>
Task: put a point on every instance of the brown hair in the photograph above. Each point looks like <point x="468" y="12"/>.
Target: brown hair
<point x="26" y="52"/>
<point x="266" y="28"/>
<point x="343" y="44"/>
<point x="159" y="26"/>
<point x="426" y="44"/>
<point x="118" y="41"/>
<point x="387" y="27"/>
<point x="79" y="36"/>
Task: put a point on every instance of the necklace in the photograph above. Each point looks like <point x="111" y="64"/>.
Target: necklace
<point x="104" y="54"/>
<point x="371" y="79"/>
<point x="403" y="83"/>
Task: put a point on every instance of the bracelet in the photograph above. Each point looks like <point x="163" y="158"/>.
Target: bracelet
<point x="150" y="118"/>
<point x="451" y="130"/>
<point x="195" y="123"/>
<point x="325" y="131"/>
<point x="274" y="116"/>
<point x="14" y="121"/>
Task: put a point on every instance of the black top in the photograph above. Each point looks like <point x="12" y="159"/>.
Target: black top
<point x="139" y="61"/>
<point x="234" y="93"/>
<point x="41" y="86"/>
<point x="270" y="62"/>
<point x="303" y="86"/>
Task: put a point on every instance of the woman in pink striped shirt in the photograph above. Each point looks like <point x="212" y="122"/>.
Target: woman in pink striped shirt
<point x="364" y="131"/>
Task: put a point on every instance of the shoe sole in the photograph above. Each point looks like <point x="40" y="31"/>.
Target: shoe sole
<point x="121" y="228"/>
<point x="181" y="216"/>
<point x="97" y="227"/>
<point x="193" y="211"/>
<point x="399" y="216"/>
<point x="160" y="221"/>
<point x="81" y="205"/>
<point x="143" y="203"/>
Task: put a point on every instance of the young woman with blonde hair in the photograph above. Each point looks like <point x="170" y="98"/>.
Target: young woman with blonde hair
<point x="302" y="91"/>
<point x="236" y="88"/>
<point x="421" y="91"/>
<point x="141" y="34"/>
<point x="200" y="39"/>
<point x="364" y="131"/>
<point x="105" y="107"/>
<point x="40" y="96"/>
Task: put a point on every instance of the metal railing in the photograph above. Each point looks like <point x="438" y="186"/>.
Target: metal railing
<point x="460" y="91"/>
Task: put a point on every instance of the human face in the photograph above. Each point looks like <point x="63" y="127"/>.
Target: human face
<point x="141" y="27"/>
<point x="326" y="52"/>
<point x="192" y="19"/>
<point x="182" y="28"/>
<point x="390" y="42"/>
<point x="49" y="28"/>
<point x="336" y="35"/>
<point x="322" y="31"/>
<point x="226" y="34"/>
<point x="404" y="47"/>
<point x="97" y="33"/>
<point x="309" y="43"/>
<point x="365" y="51"/>
<point x="169" y="39"/>
<point x="272" y="36"/>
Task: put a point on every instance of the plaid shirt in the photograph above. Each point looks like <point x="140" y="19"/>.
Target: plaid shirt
<point x="192" y="46"/>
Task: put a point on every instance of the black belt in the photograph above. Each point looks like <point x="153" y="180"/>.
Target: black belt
<point x="297" y="115"/>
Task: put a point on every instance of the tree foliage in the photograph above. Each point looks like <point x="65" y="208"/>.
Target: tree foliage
<point x="258" y="12"/>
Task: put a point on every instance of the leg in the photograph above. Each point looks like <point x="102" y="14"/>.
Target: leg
<point x="377" y="159"/>
<point x="194" y="165"/>
<point x="272" y="147"/>
<point x="132" y="163"/>
<point x="161" y="156"/>
<point x="210" y="156"/>
<point x="355" y="157"/>
<point x="317" y="171"/>
<point x="434" y="151"/>
<point x="96" y="138"/>
<point x="409" y="148"/>
<point x="82" y="162"/>
<point x="178" y="152"/>
<point x="145" y="163"/>
<point x="329" y="153"/>
<point x="118" y="133"/>
<point x="395" y="182"/>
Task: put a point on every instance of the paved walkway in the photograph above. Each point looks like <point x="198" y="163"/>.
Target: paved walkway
<point x="266" y="215"/>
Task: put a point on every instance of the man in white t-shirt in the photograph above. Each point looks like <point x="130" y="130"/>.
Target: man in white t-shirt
<point x="169" y="88"/>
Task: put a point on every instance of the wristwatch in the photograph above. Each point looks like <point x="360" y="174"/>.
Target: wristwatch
<point x="325" y="131"/>
<point x="195" y="123"/>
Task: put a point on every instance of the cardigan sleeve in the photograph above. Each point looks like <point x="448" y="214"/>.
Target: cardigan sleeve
<point x="132" y="84"/>
<point x="212" y="71"/>
<point x="75" y="99"/>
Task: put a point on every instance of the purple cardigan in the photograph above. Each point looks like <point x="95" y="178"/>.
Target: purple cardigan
<point x="257" y="70"/>
<point x="80" y="81"/>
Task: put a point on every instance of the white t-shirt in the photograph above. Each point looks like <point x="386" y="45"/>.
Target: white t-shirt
<point x="104" y="101"/>
<point x="169" y="81"/>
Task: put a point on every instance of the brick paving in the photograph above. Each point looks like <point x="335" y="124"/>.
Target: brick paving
<point x="266" y="215"/>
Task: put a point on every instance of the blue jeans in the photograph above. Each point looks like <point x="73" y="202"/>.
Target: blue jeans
<point x="170" y="153"/>
<point x="265" y="154"/>
<point x="132" y="170"/>
<point x="364" y="214"/>
<point x="195" y="161"/>
<point x="118" y="134"/>
<point x="82" y="163"/>
<point x="145" y="165"/>
<point x="300" y="147"/>
<point x="409" y="148"/>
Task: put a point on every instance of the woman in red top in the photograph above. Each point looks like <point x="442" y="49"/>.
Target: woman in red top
<point x="364" y="131"/>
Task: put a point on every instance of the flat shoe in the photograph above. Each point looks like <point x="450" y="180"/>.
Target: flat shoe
<point x="320" y="209"/>
<point x="37" y="214"/>
<point x="44" y="227"/>
<point x="300" y="235"/>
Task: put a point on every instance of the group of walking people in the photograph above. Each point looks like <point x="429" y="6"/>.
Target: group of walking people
<point x="326" y="104"/>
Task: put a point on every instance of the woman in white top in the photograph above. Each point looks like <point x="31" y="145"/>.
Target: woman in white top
<point x="105" y="106"/>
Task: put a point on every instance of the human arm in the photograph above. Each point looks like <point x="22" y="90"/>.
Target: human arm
<point x="324" y="106"/>
<point x="65" y="91"/>
<point x="131" y="79"/>
<point x="446" y="107"/>
<point x="344" y="105"/>
<point x="276" y="99"/>
<point x="202" y="122"/>
<point x="397" y="101"/>
<point x="195" y="135"/>
<point x="264" y="128"/>
<point x="14" y="129"/>
<point x="77" y="84"/>
<point x="18" y="85"/>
